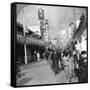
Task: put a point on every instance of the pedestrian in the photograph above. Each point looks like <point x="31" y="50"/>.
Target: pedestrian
<point x="66" y="65"/>
<point x="71" y="67"/>
<point x="83" y="68"/>
<point x="35" y="56"/>
<point x="38" y="56"/>
<point x="54" y="61"/>
<point x="59" y="59"/>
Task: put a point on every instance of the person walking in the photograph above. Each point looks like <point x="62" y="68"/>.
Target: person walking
<point x="54" y="61"/>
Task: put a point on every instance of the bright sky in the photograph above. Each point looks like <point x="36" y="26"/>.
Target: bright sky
<point x="58" y="17"/>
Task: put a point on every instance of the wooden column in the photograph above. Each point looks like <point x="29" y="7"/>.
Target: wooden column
<point x="25" y="48"/>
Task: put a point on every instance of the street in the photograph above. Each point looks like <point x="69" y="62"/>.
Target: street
<point x="40" y="73"/>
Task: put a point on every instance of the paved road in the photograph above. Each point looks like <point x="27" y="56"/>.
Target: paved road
<point x="40" y="73"/>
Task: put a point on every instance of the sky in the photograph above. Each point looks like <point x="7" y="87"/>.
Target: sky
<point x="59" y="18"/>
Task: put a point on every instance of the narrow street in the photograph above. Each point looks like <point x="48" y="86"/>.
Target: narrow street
<point x="57" y="34"/>
<point x="40" y="73"/>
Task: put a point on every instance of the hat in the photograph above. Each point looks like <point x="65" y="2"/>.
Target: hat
<point x="83" y="52"/>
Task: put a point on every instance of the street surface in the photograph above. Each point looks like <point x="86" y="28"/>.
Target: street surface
<point x="40" y="73"/>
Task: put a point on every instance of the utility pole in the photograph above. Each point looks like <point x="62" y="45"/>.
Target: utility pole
<point x="25" y="49"/>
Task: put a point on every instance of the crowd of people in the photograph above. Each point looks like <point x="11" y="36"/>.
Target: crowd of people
<point x="70" y="60"/>
<point x="73" y="62"/>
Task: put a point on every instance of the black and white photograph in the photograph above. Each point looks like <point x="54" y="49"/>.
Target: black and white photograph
<point x="51" y="44"/>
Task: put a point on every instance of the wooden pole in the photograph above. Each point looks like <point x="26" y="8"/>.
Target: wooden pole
<point x="25" y="49"/>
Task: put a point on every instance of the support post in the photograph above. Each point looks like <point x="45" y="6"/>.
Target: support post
<point x="25" y="48"/>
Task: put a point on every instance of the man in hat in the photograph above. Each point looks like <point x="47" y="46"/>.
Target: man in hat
<point x="83" y="67"/>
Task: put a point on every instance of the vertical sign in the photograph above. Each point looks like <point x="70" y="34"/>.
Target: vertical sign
<point x="42" y="21"/>
<point x="46" y="31"/>
<point x="41" y="14"/>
